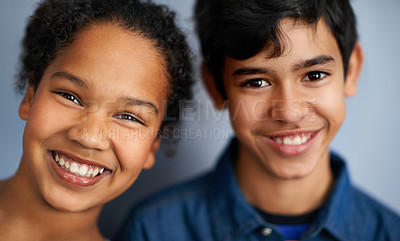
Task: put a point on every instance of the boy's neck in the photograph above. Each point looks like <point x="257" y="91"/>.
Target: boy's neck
<point x="284" y="196"/>
<point x="24" y="210"/>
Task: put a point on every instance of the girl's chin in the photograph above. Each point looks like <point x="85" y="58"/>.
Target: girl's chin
<point x="71" y="206"/>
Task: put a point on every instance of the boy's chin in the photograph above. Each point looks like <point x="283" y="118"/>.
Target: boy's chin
<point x="293" y="173"/>
<point x="293" y="168"/>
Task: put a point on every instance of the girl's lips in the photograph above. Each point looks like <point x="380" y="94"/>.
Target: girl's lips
<point x="72" y="170"/>
<point x="294" y="143"/>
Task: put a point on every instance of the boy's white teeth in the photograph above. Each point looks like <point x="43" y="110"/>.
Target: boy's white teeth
<point x="296" y="140"/>
<point x="77" y="168"/>
<point x="292" y="140"/>
<point x="287" y="141"/>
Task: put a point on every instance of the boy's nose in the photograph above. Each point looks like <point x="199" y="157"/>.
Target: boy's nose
<point x="91" y="133"/>
<point x="289" y="111"/>
<point x="290" y="106"/>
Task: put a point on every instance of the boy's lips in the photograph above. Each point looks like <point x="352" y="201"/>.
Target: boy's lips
<point x="293" y="139"/>
<point x="292" y="143"/>
<point x="77" y="171"/>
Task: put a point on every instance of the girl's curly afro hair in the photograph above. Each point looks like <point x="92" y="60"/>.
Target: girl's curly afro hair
<point x="55" y="23"/>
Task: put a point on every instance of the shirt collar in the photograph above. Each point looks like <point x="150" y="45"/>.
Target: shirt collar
<point x="335" y="216"/>
<point x="231" y="214"/>
<point x="234" y="217"/>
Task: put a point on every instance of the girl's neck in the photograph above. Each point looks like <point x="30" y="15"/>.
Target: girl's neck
<point x="22" y="208"/>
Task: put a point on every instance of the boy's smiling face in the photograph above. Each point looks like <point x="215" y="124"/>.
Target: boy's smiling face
<point x="92" y="122"/>
<point x="286" y="110"/>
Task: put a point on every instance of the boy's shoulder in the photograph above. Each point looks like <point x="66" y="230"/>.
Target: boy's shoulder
<point x="354" y="214"/>
<point x="217" y="183"/>
<point x="212" y="205"/>
<point x="373" y="212"/>
<point x="171" y="213"/>
<point x="174" y="203"/>
<point x="175" y="196"/>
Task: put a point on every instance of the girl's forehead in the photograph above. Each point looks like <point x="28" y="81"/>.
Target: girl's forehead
<point x="110" y="59"/>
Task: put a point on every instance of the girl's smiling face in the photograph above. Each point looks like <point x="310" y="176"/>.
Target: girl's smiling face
<point x="91" y="124"/>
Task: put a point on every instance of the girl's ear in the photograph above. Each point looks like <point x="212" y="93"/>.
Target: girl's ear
<point x="26" y="104"/>
<point x="354" y="70"/>
<point x="211" y="86"/>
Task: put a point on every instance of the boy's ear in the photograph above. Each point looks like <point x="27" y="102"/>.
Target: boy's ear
<point x="26" y="104"/>
<point x="151" y="159"/>
<point x="354" y="70"/>
<point x="212" y="89"/>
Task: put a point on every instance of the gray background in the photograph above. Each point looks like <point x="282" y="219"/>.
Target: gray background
<point x="369" y="138"/>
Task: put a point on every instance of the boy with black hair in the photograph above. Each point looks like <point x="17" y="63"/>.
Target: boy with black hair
<point x="283" y="69"/>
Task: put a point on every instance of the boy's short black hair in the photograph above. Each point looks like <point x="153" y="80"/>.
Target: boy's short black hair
<point x="241" y="28"/>
<point x="55" y="24"/>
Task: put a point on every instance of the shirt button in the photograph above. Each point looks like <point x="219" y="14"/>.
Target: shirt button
<point x="266" y="231"/>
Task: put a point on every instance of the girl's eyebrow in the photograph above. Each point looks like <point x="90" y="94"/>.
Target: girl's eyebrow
<point x="127" y="100"/>
<point x="70" y="77"/>
<point x="139" y="102"/>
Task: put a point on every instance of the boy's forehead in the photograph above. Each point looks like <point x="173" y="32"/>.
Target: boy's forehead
<point x="300" y="42"/>
<point x="294" y="33"/>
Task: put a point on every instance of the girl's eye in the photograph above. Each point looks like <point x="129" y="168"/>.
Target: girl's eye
<point x="70" y="97"/>
<point x="315" y="76"/>
<point x="256" y="83"/>
<point x="129" y="118"/>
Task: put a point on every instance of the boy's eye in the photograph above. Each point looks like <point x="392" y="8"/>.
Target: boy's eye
<point x="70" y="97"/>
<point x="129" y="117"/>
<point x="256" y="83"/>
<point x="315" y="76"/>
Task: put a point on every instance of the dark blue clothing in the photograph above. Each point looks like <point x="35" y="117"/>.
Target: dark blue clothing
<point x="212" y="207"/>
<point x="293" y="231"/>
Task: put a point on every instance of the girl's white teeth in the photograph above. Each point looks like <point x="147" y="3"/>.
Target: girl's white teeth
<point x="78" y="169"/>
<point x="95" y="172"/>
<point x="61" y="162"/>
<point x="82" y="171"/>
<point x="74" y="168"/>
<point x="89" y="173"/>
<point x="292" y="140"/>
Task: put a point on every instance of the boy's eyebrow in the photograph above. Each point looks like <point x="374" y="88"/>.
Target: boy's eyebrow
<point x="323" y="59"/>
<point x="70" y="77"/>
<point x="304" y="64"/>
<point x="252" y="70"/>
<point x="139" y="102"/>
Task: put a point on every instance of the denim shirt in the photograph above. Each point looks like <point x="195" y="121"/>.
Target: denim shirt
<point x="212" y="207"/>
